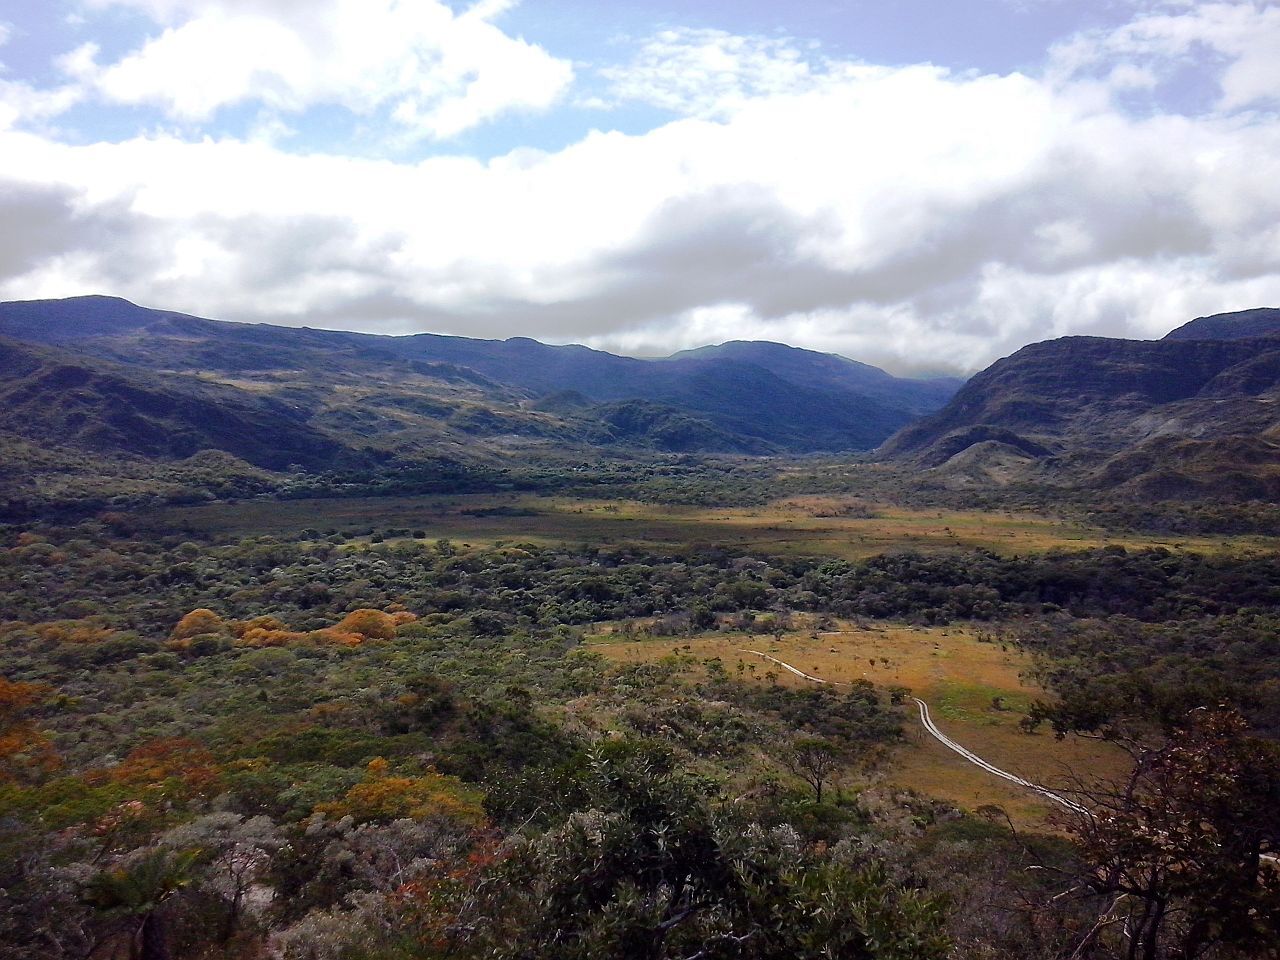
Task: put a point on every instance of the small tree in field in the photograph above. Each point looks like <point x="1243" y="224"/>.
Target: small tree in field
<point x="813" y="760"/>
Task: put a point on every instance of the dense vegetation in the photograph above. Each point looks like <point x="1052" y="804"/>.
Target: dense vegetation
<point x="359" y="741"/>
<point x="387" y="746"/>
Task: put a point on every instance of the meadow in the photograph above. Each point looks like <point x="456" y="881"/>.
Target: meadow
<point x="844" y="527"/>
<point x="975" y="683"/>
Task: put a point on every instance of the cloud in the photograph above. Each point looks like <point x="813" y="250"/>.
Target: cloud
<point x="908" y="216"/>
<point x="709" y="73"/>
<point x="436" y="72"/>
<point x="1242" y="38"/>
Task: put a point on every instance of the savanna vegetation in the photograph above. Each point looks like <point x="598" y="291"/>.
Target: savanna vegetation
<point x="350" y="741"/>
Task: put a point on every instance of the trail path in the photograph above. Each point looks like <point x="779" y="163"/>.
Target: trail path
<point x="932" y="729"/>
<point x="943" y="739"/>
<point x="790" y="669"/>
<point x="991" y="768"/>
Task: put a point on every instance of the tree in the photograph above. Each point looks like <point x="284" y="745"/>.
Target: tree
<point x="24" y="750"/>
<point x="137" y="890"/>
<point x="651" y="872"/>
<point x="813" y="760"/>
<point x="383" y="795"/>
<point x="370" y="624"/>
<point x="1178" y="846"/>
<point x="233" y="851"/>
<point x="199" y="622"/>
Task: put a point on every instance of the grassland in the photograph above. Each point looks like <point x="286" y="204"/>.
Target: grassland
<point x="808" y="526"/>
<point x="958" y="674"/>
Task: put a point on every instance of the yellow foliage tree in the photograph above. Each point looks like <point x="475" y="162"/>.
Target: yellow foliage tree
<point x="370" y="624"/>
<point x="241" y="627"/>
<point x="72" y="631"/>
<point x="24" y="750"/>
<point x="197" y="623"/>
<point x="384" y="796"/>
<point x="169" y="769"/>
<point x="332" y="636"/>
<point x="265" y="637"/>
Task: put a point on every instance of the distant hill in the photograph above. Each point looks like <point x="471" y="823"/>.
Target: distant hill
<point x="424" y="390"/>
<point x="1183" y="417"/>
<point x="832" y="372"/>
<point x="51" y="395"/>
<point x="1241" y="325"/>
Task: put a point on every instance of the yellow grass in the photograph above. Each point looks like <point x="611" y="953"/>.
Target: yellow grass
<point x="807" y="526"/>
<point x="948" y="668"/>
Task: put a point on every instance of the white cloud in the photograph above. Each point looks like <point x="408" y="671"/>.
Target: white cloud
<point x="23" y="103"/>
<point x="437" y="72"/>
<point x="709" y="73"/>
<point x="906" y="216"/>
<point x="1238" y="41"/>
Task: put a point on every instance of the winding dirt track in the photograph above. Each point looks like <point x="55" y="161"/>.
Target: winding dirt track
<point x="943" y="739"/>
<point x="790" y="669"/>
<point x="969" y="755"/>
<point x="991" y="768"/>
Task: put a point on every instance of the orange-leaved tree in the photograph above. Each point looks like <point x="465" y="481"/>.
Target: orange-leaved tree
<point x="371" y="624"/>
<point x="168" y="771"/>
<point x="383" y="795"/>
<point x="25" y="752"/>
<point x="198" y="623"/>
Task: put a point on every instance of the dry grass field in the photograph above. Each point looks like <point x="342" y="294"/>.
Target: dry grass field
<point x="809" y="526"/>
<point x="949" y="668"/>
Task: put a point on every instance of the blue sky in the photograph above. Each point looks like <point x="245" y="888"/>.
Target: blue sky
<point x="923" y="185"/>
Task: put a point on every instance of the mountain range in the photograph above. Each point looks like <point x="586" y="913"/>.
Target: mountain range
<point x="1194" y="415"/>
<point x="103" y="373"/>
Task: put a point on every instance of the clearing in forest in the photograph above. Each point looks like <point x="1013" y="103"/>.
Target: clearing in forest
<point x="806" y="526"/>
<point x="975" y="689"/>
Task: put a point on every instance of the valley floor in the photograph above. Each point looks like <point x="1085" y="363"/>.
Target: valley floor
<point x="848" y="527"/>
<point x="414" y="727"/>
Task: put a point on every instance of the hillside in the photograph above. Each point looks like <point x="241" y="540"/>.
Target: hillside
<point x="1240" y="325"/>
<point x="427" y="389"/>
<point x="831" y="372"/>
<point x="49" y="393"/>
<point x="1184" y="417"/>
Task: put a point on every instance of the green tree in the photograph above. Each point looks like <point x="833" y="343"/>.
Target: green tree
<point x="653" y="872"/>
<point x="813" y="760"/>
<point x="137" y="891"/>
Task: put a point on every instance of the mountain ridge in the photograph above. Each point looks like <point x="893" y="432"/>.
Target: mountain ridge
<point x="767" y="400"/>
<point x="1182" y="416"/>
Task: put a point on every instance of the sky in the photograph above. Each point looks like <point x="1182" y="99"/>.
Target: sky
<point x="926" y="185"/>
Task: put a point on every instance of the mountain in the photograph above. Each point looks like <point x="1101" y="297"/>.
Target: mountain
<point x="1241" y="325"/>
<point x="832" y="372"/>
<point x="1183" y="417"/>
<point x="47" y="394"/>
<point x="416" y="392"/>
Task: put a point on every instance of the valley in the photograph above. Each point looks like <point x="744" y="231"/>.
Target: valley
<point x="413" y="637"/>
<point x="820" y="525"/>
